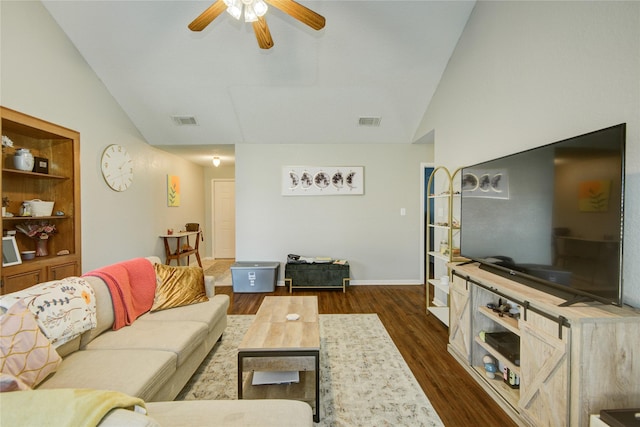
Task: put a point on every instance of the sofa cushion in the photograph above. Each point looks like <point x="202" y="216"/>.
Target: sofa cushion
<point x="25" y="353"/>
<point x="69" y="347"/>
<point x="139" y="373"/>
<point x="210" y="312"/>
<point x="231" y="413"/>
<point x="178" y="337"/>
<point x="104" y="309"/>
<point x="178" y="286"/>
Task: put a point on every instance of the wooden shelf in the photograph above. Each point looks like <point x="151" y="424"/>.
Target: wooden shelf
<point x="304" y="390"/>
<point x="511" y="395"/>
<point x="515" y="368"/>
<point x="33" y="218"/>
<point x="443" y="227"/>
<point x="44" y="261"/>
<point x="442" y="313"/>
<point x="509" y="323"/>
<point x="33" y="174"/>
<point x="439" y="256"/>
<point x="437" y="284"/>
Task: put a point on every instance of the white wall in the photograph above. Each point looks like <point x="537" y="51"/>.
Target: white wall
<point x="381" y="245"/>
<point x="43" y="75"/>
<point x="529" y="73"/>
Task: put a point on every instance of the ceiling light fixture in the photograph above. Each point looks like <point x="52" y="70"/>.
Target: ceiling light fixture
<point x="216" y="161"/>
<point x="252" y="9"/>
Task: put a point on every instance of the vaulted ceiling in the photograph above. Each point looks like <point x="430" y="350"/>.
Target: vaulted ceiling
<point x="373" y="59"/>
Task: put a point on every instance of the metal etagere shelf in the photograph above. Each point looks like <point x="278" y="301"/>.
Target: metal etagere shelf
<point x="443" y="240"/>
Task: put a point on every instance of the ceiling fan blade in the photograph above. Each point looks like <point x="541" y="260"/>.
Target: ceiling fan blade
<point x="299" y="12"/>
<point x="206" y="17"/>
<point x="263" y="34"/>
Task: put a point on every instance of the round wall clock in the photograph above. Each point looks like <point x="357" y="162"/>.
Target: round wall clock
<point x="117" y="167"/>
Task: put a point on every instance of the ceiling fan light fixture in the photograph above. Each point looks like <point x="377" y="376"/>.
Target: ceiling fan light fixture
<point x="254" y="11"/>
<point x="234" y="8"/>
<point x="260" y="7"/>
<point x="249" y="13"/>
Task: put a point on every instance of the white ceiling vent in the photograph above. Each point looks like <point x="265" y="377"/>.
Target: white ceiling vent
<point x="185" y="120"/>
<point x="369" y="121"/>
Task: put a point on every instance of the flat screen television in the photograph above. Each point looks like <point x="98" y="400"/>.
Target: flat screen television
<point x="551" y="217"/>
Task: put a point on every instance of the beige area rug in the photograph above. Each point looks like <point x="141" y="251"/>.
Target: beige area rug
<point x="220" y="269"/>
<point x="364" y="381"/>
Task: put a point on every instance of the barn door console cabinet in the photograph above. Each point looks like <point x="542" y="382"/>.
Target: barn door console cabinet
<point x="554" y="366"/>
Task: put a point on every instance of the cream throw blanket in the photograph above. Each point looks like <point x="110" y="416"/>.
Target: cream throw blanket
<point x="62" y="407"/>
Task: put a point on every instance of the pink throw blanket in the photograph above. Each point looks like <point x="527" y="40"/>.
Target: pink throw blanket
<point x="132" y="285"/>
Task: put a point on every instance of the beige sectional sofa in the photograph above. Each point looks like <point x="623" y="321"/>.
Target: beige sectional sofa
<point x="153" y="359"/>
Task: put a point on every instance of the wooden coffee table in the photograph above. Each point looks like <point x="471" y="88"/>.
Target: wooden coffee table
<point x="274" y="343"/>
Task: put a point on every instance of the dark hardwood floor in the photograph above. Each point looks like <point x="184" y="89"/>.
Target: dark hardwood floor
<point x="421" y="339"/>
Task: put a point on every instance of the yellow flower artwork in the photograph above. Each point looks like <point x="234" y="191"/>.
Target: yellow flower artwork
<point x="593" y="196"/>
<point x="173" y="190"/>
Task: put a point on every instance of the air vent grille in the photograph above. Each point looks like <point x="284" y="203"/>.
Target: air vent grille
<point x="369" y="121"/>
<point x="184" y="120"/>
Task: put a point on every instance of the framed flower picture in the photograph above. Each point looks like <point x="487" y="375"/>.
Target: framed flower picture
<point x="173" y="190"/>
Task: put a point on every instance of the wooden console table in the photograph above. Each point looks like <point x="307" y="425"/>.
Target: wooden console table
<point x="317" y="275"/>
<point x="178" y="254"/>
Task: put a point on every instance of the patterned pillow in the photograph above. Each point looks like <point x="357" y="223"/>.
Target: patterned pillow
<point x="178" y="286"/>
<point x="25" y="352"/>
<point x="63" y="308"/>
<point x="10" y="383"/>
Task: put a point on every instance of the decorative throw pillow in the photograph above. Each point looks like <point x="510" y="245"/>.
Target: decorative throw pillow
<point x="10" y="383"/>
<point x="25" y="352"/>
<point x="63" y="308"/>
<point x="178" y="286"/>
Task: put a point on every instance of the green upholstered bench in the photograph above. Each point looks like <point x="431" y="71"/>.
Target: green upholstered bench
<point x="316" y="275"/>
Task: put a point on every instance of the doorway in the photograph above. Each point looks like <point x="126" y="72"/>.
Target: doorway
<point x="224" y="218"/>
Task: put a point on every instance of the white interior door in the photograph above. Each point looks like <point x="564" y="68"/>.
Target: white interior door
<point x="224" y="219"/>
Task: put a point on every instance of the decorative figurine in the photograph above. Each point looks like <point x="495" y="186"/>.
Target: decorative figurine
<point x="490" y="366"/>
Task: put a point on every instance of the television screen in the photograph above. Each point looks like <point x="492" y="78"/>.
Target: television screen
<point x="551" y="217"/>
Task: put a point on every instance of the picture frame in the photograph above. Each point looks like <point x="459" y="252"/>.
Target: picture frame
<point x="10" y="253"/>
<point x="173" y="190"/>
<point x="489" y="184"/>
<point x="322" y="181"/>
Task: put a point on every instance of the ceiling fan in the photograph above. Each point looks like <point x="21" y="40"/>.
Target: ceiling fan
<point x="254" y="11"/>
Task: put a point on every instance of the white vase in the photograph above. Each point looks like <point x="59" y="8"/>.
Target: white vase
<point x="23" y="160"/>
